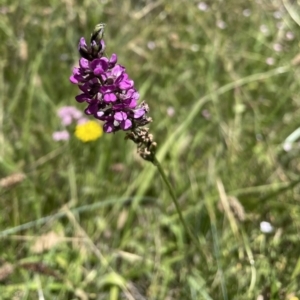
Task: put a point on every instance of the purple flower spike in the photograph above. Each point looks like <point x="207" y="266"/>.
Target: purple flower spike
<point x="106" y="87"/>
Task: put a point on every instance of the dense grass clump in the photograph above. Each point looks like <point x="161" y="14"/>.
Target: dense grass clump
<point x="94" y="221"/>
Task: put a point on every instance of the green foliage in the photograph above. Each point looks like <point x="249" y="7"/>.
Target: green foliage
<point x="112" y="231"/>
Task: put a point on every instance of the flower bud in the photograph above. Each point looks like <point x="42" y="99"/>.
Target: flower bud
<point x="98" y="33"/>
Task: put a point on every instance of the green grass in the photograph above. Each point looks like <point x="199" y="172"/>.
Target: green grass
<point x="115" y="230"/>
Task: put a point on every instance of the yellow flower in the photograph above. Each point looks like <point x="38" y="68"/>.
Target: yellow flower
<point x="88" y="131"/>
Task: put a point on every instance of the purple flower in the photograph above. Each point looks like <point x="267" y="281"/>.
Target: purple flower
<point x="61" y="135"/>
<point x="107" y="89"/>
<point x="99" y="66"/>
<point x="68" y="113"/>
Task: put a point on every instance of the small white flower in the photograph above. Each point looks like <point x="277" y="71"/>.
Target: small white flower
<point x="259" y="137"/>
<point x="221" y="24"/>
<point x="202" y="6"/>
<point x="206" y="114"/>
<point x="289" y="35"/>
<point x="162" y="15"/>
<point x="171" y="111"/>
<point x="247" y="12"/>
<point x="151" y="45"/>
<point x="287" y="146"/>
<point x="280" y="25"/>
<point x="266" y="227"/>
<point x="264" y="29"/>
<point x="64" y="57"/>
<point x="277" y="14"/>
<point x="195" y="48"/>
<point x="277" y="47"/>
<point x="270" y="61"/>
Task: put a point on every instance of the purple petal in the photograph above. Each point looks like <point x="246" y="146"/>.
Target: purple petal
<point x="109" y="97"/>
<point x="126" y="124"/>
<point x="91" y="109"/>
<point x="113" y="60"/>
<point x="135" y="95"/>
<point x="84" y="87"/>
<point x="131" y="103"/>
<point x="82" y="43"/>
<point x="102" y="45"/>
<point x="100" y="115"/>
<point x="82" y="97"/>
<point x="138" y="113"/>
<point x="73" y="80"/>
<point x="126" y="84"/>
<point x="107" y="89"/>
<point x="109" y="127"/>
<point x="132" y="93"/>
<point x="99" y="65"/>
<point x="76" y="71"/>
<point x="104" y="76"/>
<point x="76" y="77"/>
<point x="120" y="116"/>
<point x="84" y="63"/>
<point x="117" y="71"/>
<point x="120" y="78"/>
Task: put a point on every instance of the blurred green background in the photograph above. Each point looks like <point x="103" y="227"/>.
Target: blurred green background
<point x="93" y="220"/>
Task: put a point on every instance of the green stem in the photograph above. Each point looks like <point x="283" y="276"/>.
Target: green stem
<point x="175" y="201"/>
